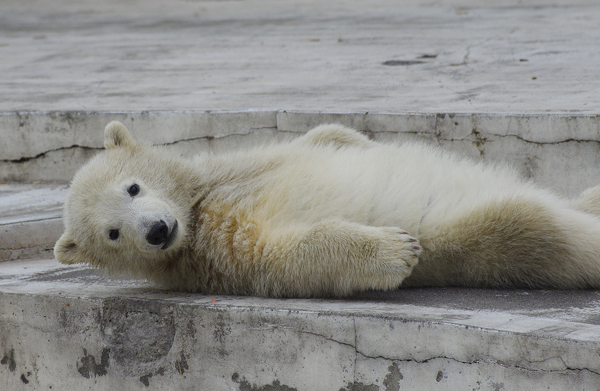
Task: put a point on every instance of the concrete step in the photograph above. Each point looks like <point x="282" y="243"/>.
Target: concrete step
<point x="30" y="219"/>
<point x="70" y="328"/>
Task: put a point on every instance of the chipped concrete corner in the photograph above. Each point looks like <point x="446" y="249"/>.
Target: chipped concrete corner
<point x="247" y="344"/>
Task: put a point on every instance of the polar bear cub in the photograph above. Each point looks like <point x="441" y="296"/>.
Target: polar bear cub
<point x="328" y="214"/>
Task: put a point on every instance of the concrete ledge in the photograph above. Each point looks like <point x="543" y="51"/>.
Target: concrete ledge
<point x="95" y="333"/>
<point x="558" y="151"/>
<point x="30" y="219"/>
<point x="29" y="240"/>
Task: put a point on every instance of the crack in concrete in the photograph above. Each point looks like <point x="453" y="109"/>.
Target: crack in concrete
<point x="42" y="154"/>
<point x="328" y="338"/>
<point x="483" y="135"/>
<point x="249" y="132"/>
<point x="489" y="361"/>
<point x="569" y="140"/>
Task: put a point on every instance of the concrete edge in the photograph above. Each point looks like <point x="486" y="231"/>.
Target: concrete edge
<point x="29" y="239"/>
<point x="248" y="343"/>
<point x="34" y="133"/>
<point x="51" y="146"/>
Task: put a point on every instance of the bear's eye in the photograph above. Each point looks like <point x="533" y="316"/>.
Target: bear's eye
<point x="133" y="190"/>
<point x="113" y="234"/>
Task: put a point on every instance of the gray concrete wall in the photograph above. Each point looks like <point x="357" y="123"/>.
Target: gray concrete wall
<point x="556" y="150"/>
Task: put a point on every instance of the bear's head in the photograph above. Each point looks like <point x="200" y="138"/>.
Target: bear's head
<point x="126" y="209"/>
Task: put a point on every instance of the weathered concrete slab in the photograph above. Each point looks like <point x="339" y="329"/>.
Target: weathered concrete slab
<point x="97" y="333"/>
<point x="30" y="219"/>
<point x="441" y="56"/>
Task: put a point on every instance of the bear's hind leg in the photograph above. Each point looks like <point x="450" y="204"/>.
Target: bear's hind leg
<point x="519" y="241"/>
<point x="337" y="136"/>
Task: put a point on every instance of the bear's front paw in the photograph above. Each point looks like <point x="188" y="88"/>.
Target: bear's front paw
<point x="402" y="248"/>
<point x="397" y="253"/>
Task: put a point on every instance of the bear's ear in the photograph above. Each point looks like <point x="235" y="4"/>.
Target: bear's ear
<point x="66" y="250"/>
<point x="117" y="135"/>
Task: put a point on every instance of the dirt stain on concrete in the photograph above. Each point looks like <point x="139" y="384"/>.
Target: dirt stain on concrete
<point x="246" y="386"/>
<point x="358" y="386"/>
<point x="181" y="365"/>
<point x="392" y="379"/>
<point x="89" y="366"/>
<point x="9" y="359"/>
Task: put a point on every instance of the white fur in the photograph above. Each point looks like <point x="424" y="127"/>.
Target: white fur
<point x="330" y="213"/>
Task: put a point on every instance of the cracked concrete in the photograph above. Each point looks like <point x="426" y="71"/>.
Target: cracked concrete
<point x="557" y="151"/>
<point x="100" y="333"/>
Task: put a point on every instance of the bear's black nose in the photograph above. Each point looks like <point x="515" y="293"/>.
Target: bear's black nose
<point x="158" y="233"/>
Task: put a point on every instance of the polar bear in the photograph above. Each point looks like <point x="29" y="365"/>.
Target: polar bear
<point x="328" y="214"/>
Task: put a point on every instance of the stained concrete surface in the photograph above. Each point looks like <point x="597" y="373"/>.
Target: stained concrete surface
<point x="31" y="202"/>
<point x="94" y="332"/>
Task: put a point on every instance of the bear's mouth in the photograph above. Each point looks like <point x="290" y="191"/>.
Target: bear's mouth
<point x="171" y="238"/>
